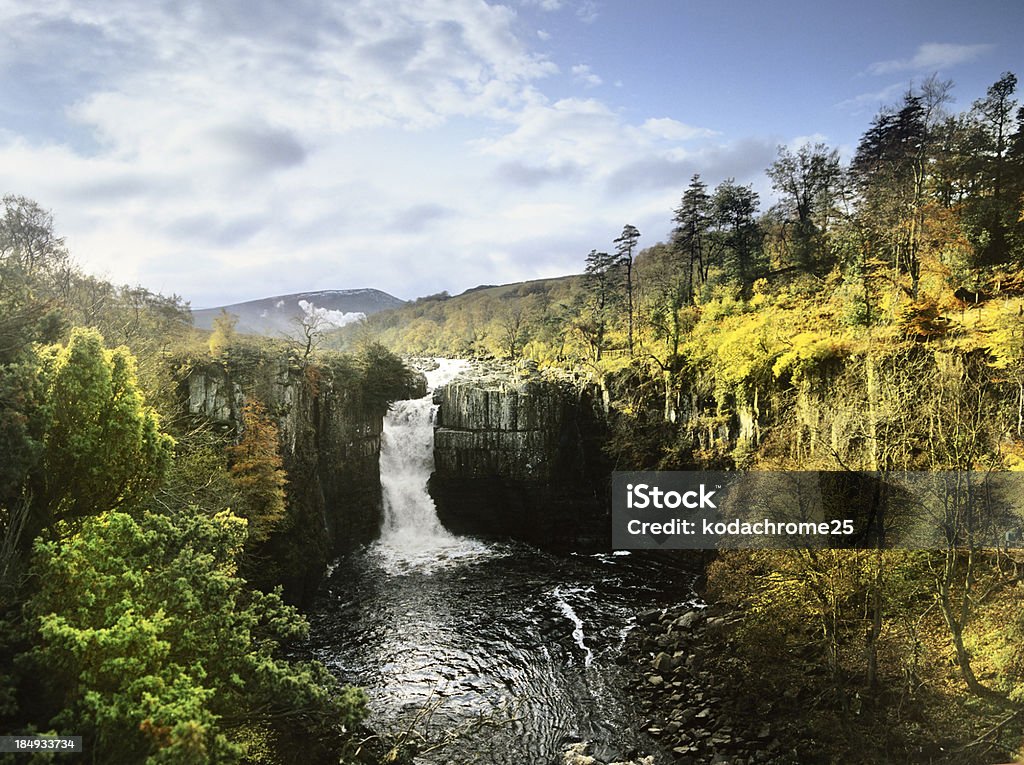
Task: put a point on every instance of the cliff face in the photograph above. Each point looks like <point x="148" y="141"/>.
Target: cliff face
<point x="522" y="460"/>
<point x="841" y="412"/>
<point x="330" y="444"/>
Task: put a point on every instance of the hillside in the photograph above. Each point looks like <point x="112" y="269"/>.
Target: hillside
<point x="278" y="315"/>
<point x="488" y="320"/>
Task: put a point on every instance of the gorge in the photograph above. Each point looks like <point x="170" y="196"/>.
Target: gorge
<point x="491" y="651"/>
<point x="475" y="631"/>
<point x="475" y="599"/>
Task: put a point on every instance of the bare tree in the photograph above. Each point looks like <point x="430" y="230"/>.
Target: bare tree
<point x="513" y="330"/>
<point x="312" y="325"/>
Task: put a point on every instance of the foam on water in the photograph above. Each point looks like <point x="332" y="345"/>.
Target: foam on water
<point x="570" y="613"/>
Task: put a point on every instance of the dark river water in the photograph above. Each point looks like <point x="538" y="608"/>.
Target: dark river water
<point x="513" y="648"/>
<point x="495" y="652"/>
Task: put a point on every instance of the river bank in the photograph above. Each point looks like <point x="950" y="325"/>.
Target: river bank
<point x="711" y="692"/>
<point x="694" y="695"/>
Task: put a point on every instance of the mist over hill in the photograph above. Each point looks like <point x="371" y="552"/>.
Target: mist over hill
<point x="279" y="314"/>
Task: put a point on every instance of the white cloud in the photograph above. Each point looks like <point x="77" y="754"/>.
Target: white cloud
<point x="346" y="66"/>
<point x="544" y="5"/>
<point x="932" y="57"/>
<point x="583" y="74"/>
<point x="672" y="130"/>
<point x="543" y="35"/>
<point x="233" y="150"/>
<point x="874" y="99"/>
<point x="584" y="134"/>
<point x="232" y="120"/>
<point x="587" y="11"/>
<point x="796" y="142"/>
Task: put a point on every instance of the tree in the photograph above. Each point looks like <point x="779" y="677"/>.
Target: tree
<point x="155" y="651"/>
<point x="21" y="429"/>
<point x="257" y="472"/>
<point x="807" y="182"/>
<point x="223" y="335"/>
<point x="32" y="260"/>
<point x="963" y="424"/>
<point x="102" y="446"/>
<point x="600" y="292"/>
<point x="890" y="169"/>
<point x="34" y="263"/>
<point x="994" y="115"/>
<point x="737" y="232"/>
<point x="624" y="246"/>
<point x="312" y="325"/>
<point x="992" y="212"/>
<point x="148" y="323"/>
<point x="384" y="377"/>
<point x="668" y="297"/>
<point x="668" y="294"/>
<point x="512" y="325"/>
<point x="137" y="317"/>
<point x="33" y="266"/>
<point x="692" y="219"/>
<point x="952" y="167"/>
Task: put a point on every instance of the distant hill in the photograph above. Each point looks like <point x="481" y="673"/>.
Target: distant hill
<point x="277" y="315"/>
<point x="495" y="320"/>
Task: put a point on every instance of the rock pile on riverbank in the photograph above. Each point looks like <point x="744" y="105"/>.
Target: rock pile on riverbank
<point x="691" y="691"/>
<point x="579" y="754"/>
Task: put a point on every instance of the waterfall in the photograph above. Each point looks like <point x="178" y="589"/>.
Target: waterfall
<point x="411" y="534"/>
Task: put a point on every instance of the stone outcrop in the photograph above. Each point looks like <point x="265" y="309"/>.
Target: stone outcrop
<point x="728" y="429"/>
<point x="522" y="459"/>
<point x="330" y="444"/>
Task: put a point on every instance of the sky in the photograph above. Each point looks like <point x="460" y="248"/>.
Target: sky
<point x="229" y="150"/>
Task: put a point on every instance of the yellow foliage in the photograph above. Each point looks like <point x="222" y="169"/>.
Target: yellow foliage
<point x="223" y="335"/>
<point x="257" y="472"/>
<point x="810" y="351"/>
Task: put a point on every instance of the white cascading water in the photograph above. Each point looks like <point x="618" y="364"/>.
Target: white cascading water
<point x="411" y="534"/>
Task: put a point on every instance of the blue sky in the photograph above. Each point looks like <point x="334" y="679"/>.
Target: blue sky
<point x="234" y="150"/>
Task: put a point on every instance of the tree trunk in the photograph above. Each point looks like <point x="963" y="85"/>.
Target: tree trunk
<point x="876" y="623"/>
<point x="957" y="622"/>
<point x="629" y="297"/>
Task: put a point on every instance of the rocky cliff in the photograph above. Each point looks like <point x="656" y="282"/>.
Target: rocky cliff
<point x="330" y="442"/>
<point x="522" y="459"/>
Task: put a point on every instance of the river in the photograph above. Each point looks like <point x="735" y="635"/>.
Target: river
<point x="494" y="652"/>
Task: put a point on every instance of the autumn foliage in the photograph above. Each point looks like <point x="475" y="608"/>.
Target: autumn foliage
<point x="257" y="472"/>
